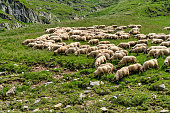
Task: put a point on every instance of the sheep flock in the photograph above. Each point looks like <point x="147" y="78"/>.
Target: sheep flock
<point x="104" y="51"/>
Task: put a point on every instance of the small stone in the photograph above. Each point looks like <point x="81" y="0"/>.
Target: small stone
<point x="25" y="107"/>
<point x="81" y="96"/>
<point x="15" y="64"/>
<point x="104" y="109"/>
<point x="96" y="83"/>
<point x="115" y="97"/>
<point x="164" y="111"/>
<point x="102" y="82"/>
<point x="36" y="110"/>
<point x="37" y="101"/>
<point x="68" y="106"/>
<point x="162" y="87"/>
<point x="1" y="87"/>
<point x="154" y="96"/>
<point x="48" y="83"/>
<point x="58" y="105"/>
<point x="139" y="84"/>
<point x="75" y="79"/>
<point x="87" y="91"/>
<point x="11" y="91"/>
<point x="128" y="108"/>
<point x="88" y="88"/>
<point x="2" y="73"/>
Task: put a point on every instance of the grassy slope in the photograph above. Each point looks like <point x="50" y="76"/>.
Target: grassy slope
<point x="67" y="91"/>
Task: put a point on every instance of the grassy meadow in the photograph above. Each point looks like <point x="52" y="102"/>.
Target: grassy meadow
<point x="43" y="80"/>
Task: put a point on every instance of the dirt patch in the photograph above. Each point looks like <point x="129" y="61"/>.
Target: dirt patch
<point x="67" y="71"/>
<point x="39" y="68"/>
<point x="39" y="84"/>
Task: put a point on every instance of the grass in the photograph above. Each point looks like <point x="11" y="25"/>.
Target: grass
<point x="69" y="76"/>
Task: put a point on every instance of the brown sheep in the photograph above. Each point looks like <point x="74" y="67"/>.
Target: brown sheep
<point x="84" y="46"/>
<point x="124" y="45"/>
<point x="54" y="47"/>
<point x="127" y="59"/>
<point x="110" y="66"/>
<point x="38" y="46"/>
<point x="153" y="63"/>
<point x="110" y="52"/>
<point x="135" y="68"/>
<point x="102" y="70"/>
<point x="139" y="45"/>
<point x="124" y="71"/>
<point x="115" y="48"/>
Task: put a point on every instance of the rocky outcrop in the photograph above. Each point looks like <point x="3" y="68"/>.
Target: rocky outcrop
<point x="24" y="14"/>
<point x="9" y="26"/>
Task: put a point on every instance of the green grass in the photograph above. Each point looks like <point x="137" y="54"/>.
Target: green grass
<point x="71" y="75"/>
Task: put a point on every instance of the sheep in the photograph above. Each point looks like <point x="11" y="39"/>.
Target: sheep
<point x="61" y="50"/>
<point x="153" y="63"/>
<point x="153" y="53"/>
<point x="156" y="47"/>
<point x="167" y="61"/>
<point x="103" y="47"/>
<point x="114" y="48"/>
<point x="162" y="52"/>
<point x="117" y="56"/>
<point x="81" y="38"/>
<point x="140" y="49"/>
<point x="104" y="42"/>
<point x="75" y="36"/>
<point x="84" y="46"/>
<point x="58" y="39"/>
<point x="127" y="59"/>
<point x="27" y="41"/>
<point x="166" y="43"/>
<point x="64" y="36"/>
<point x="110" y="66"/>
<point x="93" y="53"/>
<point x="132" y="43"/>
<point x="156" y="41"/>
<point x="135" y="68"/>
<point x="103" y="54"/>
<point x="134" y="31"/>
<point x="140" y="36"/>
<point x="53" y="47"/>
<point x="102" y="70"/>
<point x="124" y="71"/>
<point x="81" y="51"/>
<point x="139" y="45"/>
<point x="93" y="41"/>
<point x="100" y="60"/>
<point x="71" y="50"/>
<point x="166" y="28"/>
<point x="50" y="30"/>
<point x="101" y="26"/>
<point x="38" y="46"/>
<point x="124" y="45"/>
<point x="31" y="44"/>
<point x="75" y="32"/>
<point x="142" y="41"/>
<point x="110" y="52"/>
<point x="119" y="33"/>
<point x="92" y="49"/>
<point x="124" y="52"/>
<point x="111" y="36"/>
<point x="74" y="44"/>
<point x="150" y="35"/>
<point x="124" y="36"/>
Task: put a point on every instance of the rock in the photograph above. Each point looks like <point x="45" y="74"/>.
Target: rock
<point x="87" y="91"/>
<point x="102" y="82"/>
<point x="2" y="73"/>
<point x="11" y="91"/>
<point x="25" y="107"/>
<point x="154" y="96"/>
<point x="128" y="108"/>
<point x="162" y="87"/>
<point x="58" y="105"/>
<point x="164" y="111"/>
<point x="81" y="97"/>
<point x="48" y="83"/>
<point x="104" y="109"/>
<point x="68" y="106"/>
<point x="36" y="110"/>
<point x="1" y="87"/>
<point x="139" y="84"/>
<point x="37" y="101"/>
<point x="96" y="83"/>
<point x="88" y="88"/>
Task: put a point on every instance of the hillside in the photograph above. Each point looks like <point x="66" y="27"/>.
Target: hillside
<point x="18" y="13"/>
